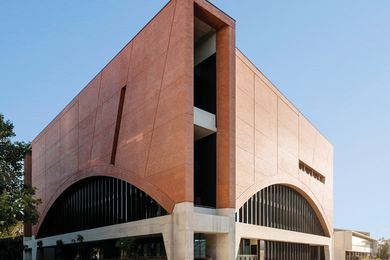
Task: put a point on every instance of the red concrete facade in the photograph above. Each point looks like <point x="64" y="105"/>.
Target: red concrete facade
<point x="155" y="141"/>
<point x="226" y="83"/>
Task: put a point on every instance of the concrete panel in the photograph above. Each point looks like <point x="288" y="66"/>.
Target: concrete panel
<point x="245" y="136"/>
<point x="267" y="151"/>
<point x="283" y="136"/>
<point x="84" y="155"/>
<point x="89" y="97"/>
<point x="52" y="155"/>
<point x="69" y="142"/>
<point x="287" y="163"/>
<point x="266" y="122"/>
<point x="307" y="140"/>
<point x="245" y="168"/>
<point x="132" y="155"/>
<point x="174" y="101"/>
<point x="68" y="165"/>
<point x="106" y="113"/>
<point x="263" y="168"/>
<point x="102" y="145"/>
<point x="265" y="96"/>
<point x="69" y="118"/>
<point x="321" y="155"/>
<point x="245" y="78"/>
<point x="156" y="32"/>
<point x="204" y="119"/>
<point x="167" y="141"/>
<point x="145" y="87"/>
<point x="87" y="128"/>
<point x="137" y="122"/>
<point x="287" y="129"/>
<point x="245" y="105"/>
<point x="52" y="135"/>
<point x="115" y="75"/>
<point x="273" y="234"/>
<point x="226" y="110"/>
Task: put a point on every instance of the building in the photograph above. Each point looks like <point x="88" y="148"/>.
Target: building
<point x="181" y="148"/>
<point x="354" y="245"/>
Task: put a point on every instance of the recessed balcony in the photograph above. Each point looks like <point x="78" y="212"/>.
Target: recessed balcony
<point x="204" y="123"/>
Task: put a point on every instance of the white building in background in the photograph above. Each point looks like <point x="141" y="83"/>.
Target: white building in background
<point x="354" y="245"/>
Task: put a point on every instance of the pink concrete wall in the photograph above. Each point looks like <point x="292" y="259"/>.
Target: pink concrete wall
<point x="271" y="137"/>
<point x="156" y="136"/>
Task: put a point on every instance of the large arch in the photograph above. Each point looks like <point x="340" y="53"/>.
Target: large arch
<point x="96" y="202"/>
<point x="97" y="169"/>
<point x="283" y="206"/>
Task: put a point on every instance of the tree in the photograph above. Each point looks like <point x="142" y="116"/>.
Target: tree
<point x="127" y="245"/>
<point x="384" y="248"/>
<point x="79" y="244"/>
<point x="17" y="202"/>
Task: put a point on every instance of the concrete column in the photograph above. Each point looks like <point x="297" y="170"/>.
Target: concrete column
<point x="237" y="244"/>
<point x="31" y="243"/>
<point x="328" y="252"/>
<point x="27" y="255"/>
<point x="211" y="246"/>
<point x="182" y="231"/>
<point x="168" y="241"/>
<point x="34" y="252"/>
<point x="226" y="243"/>
<point x="226" y="73"/>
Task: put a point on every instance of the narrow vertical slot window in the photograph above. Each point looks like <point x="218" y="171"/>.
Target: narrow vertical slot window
<point x="118" y="124"/>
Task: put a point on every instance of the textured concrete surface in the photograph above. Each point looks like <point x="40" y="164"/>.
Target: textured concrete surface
<point x="177" y="230"/>
<point x="261" y="136"/>
<point x="155" y="142"/>
<point x="271" y="137"/>
<point x="156" y="136"/>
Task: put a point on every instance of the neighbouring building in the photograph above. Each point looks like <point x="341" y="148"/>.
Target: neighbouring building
<point x="180" y="148"/>
<point x="354" y="245"/>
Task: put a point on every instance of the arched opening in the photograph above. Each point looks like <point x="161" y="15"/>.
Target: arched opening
<point x="96" y="202"/>
<point x="279" y="206"/>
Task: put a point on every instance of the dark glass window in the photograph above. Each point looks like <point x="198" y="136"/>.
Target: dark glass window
<point x="199" y="246"/>
<point x="205" y="85"/>
<point x="96" y="202"/>
<point x="270" y="250"/>
<point x="205" y="171"/>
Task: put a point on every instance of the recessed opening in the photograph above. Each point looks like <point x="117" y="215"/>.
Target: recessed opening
<point x="204" y="114"/>
<point x="204" y="67"/>
<point x="118" y="124"/>
<point x="205" y="246"/>
<point x="310" y="171"/>
<point x="205" y="171"/>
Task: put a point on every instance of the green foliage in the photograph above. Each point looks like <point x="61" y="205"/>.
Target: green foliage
<point x="17" y="202"/>
<point x="79" y="239"/>
<point x="59" y="243"/>
<point x="384" y="249"/>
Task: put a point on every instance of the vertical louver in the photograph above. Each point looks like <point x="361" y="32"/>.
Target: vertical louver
<point x="279" y="206"/>
<point x="96" y="202"/>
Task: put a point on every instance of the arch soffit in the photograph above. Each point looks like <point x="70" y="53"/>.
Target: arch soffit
<point x="107" y="171"/>
<point x="298" y="187"/>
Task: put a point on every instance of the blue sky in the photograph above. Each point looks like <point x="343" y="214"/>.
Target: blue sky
<point x="330" y="58"/>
